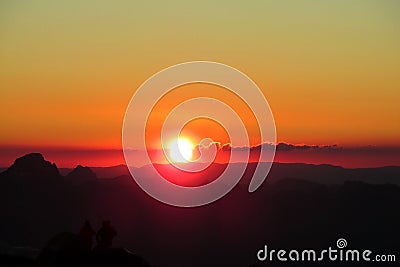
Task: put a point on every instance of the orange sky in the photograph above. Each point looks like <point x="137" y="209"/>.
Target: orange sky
<point x="199" y="129"/>
<point x="329" y="70"/>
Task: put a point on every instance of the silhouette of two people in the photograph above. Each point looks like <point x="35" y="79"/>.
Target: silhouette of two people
<point x="104" y="236"/>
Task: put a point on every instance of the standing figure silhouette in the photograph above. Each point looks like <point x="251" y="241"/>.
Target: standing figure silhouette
<point x="85" y="236"/>
<point x="105" y="235"/>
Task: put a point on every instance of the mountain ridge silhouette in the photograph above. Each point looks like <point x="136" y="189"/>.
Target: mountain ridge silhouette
<point x="290" y="210"/>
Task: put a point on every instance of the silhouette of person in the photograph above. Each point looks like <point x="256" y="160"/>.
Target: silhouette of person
<point x="86" y="236"/>
<point x="105" y="235"/>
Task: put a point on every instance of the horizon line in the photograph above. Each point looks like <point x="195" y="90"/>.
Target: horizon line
<point x="220" y="145"/>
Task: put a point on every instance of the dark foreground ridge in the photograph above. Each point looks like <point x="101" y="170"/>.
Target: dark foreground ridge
<point x="299" y="206"/>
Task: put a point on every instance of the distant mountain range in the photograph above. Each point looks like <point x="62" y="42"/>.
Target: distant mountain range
<point x="102" y="172"/>
<point x="299" y="205"/>
<point x="323" y="173"/>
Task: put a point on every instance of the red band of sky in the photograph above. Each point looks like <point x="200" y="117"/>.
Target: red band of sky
<point x="355" y="157"/>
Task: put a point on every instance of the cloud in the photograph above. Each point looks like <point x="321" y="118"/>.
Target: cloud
<point x="279" y="147"/>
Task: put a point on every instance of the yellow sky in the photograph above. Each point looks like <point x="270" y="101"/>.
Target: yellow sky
<point x="329" y="69"/>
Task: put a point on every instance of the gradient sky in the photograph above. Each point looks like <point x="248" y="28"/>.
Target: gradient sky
<point x="329" y="69"/>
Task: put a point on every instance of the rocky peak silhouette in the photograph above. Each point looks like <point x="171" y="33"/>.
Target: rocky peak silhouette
<point x="81" y="174"/>
<point x="33" y="165"/>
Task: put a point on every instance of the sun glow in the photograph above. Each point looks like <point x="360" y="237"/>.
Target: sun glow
<point x="181" y="150"/>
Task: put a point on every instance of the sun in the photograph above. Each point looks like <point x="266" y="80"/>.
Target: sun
<point x="181" y="150"/>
